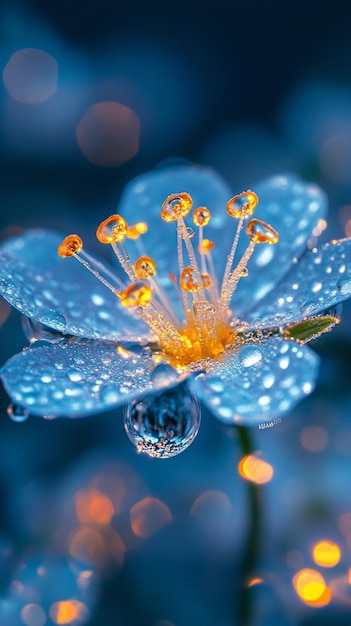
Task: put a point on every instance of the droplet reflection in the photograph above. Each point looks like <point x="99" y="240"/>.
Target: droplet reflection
<point x="163" y="425"/>
<point x="17" y="413"/>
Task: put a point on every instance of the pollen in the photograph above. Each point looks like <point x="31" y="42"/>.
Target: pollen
<point x="208" y="325"/>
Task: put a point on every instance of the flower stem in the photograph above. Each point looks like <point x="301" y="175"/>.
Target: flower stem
<point x="252" y="543"/>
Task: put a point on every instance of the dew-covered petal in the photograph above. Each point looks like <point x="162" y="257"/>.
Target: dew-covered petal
<point x="317" y="282"/>
<point x="258" y="383"/>
<point x="294" y="209"/>
<point x="142" y="201"/>
<point x="60" y="293"/>
<point x="78" y="379"/>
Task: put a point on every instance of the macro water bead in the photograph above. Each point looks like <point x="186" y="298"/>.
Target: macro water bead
<point x="211" y="298"/>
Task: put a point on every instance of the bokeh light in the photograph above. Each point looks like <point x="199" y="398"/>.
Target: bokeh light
<point x="148" y="516"/>
<point x="70" y="612"/>
<point x="314" y="438"/>
<point x="311" y="587"/>
<point x="326" y="553"/>
<point x="33" y="615"/>
<point x="251" y="467"/>
<point x="93" y="507"/>
<point x="31" y="76"/>
<point x="108" y="134"/>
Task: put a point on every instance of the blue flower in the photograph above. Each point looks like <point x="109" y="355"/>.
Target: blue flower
<point x="214" y="304"/>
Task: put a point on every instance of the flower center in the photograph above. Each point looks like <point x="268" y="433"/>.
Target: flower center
<point x="208" y="325"/>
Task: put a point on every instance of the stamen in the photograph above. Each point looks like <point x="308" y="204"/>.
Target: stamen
<point x="261" y="232"/>
<point x="208" y="325"/>
<point x="135" y="295"/>
<point x="112" y="231"/>
<point x="72" y="245"/>
<point x="239" y="207"/>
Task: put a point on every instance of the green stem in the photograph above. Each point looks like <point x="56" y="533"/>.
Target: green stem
<point x="253" y="539"/>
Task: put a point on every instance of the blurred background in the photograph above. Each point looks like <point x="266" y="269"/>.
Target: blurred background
<point x="93" y="94"/>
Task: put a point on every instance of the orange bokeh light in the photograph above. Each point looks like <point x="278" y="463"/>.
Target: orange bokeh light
<point x="311" y="587"/>
<point x="251" y="467"/>
<point x="30" y="76"/>
<point x="69" y="612"/>
<point x="93" y="507"/>
<point x="108" y="134"/>
<point x="148" y="516"/>
<point x="326" y="553"/>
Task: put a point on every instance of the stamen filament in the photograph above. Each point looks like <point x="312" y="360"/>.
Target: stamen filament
<point x="231" y="255"/>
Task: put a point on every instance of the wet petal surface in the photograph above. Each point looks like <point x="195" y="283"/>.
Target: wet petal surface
<point x="60" y="293"/>
<point x="258" y="383"/>
<point x="320" y="280"/>
<point x="78" y="379"/>
<point x="293" y="208"/>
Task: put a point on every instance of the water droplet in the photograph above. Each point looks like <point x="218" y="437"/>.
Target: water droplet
<point x="74" y="375"/>
<point x="344" y="285"/>
<point x="53" y="319"/>
<point x="250" y="355"/>
<point x="17" y="413"/>
<point x="164" y="374"/>
<point x="307" y="308"/>
<point x="163" y="425"/>
<point x="35" y="330"/>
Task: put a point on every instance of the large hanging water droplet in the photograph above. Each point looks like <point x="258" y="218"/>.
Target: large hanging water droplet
<point x="17" y="413"/>
<point x="163" y="425"/>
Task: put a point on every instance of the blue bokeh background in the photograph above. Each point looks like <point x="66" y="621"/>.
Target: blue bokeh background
<point x="251" y="88"/>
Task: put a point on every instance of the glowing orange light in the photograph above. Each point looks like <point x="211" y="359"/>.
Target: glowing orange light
<point x="92" y="506"/>
<point x="311" y="587"/>
<point x="326" y="553"/>
<point x="33" y="615"/>
<point x="108" y="134"/>
<point x="254" y="581"/>
<point x="314" y="438"/>
<point x="69" y="612"/>
<point x="210" y="505"/>
<point x="30" y="76"/>
<point x="148" y="516"/>
<point x="253" y="468"/>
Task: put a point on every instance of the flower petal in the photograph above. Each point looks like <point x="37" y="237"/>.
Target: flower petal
<point x="60" y="293"/>
<point x="259" y="383"/>
<point x="316" y="283"/>
<point x="78" y="379"/>
<point x="293" y="208"/>
<point x="143" y="199"/>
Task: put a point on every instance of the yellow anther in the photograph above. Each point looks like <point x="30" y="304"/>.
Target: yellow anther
<point x="145" y="267"/>
<point x="136" y="230"/>
<point x="206" y="246"/>
<point x="261" y="232"/>
<point x="175" y="206"/>
<point x="201" y="216"/>
<point x="206" y="280"/>
<point x="72" y="244"/>
<point x="187" y="280"/>
<point x="136" y="294"/>
<point x="113" y="229"/>
<point x="242" y="205"/>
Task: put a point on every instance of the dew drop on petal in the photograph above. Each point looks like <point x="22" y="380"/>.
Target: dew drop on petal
<point x="164" y="374"/>
<point x="165" y="424"/>
<point x="53" y="319"/>
<point x="17" y="413"/>
<point x="344" y="285"/>
<point x="250" y="355"/>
